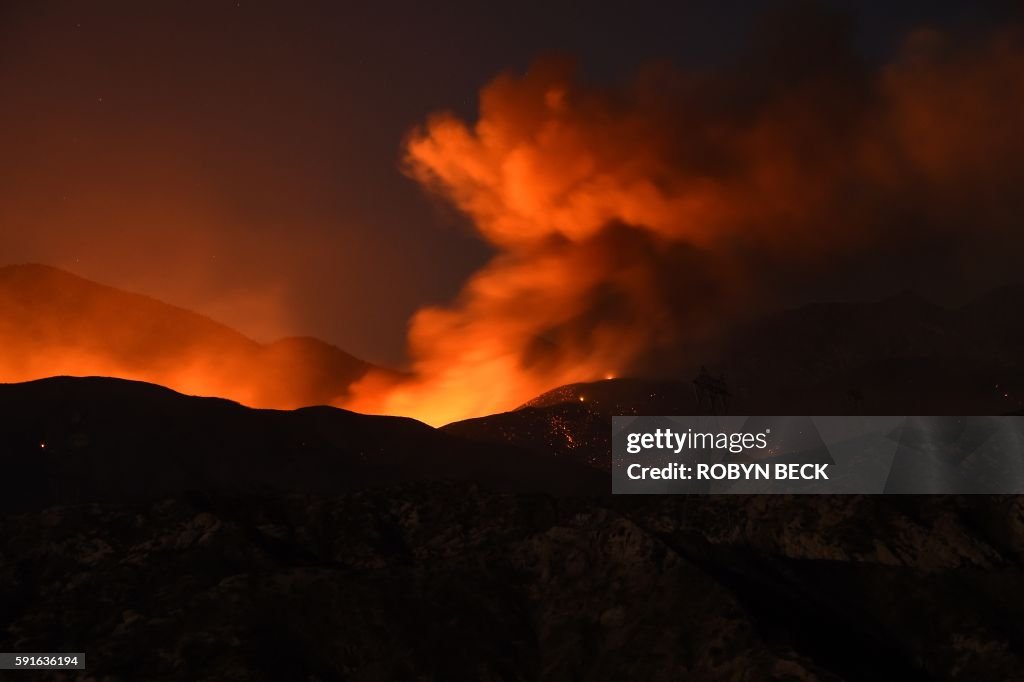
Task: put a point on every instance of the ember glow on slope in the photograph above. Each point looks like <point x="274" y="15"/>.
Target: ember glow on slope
<point x="631" y="221"/>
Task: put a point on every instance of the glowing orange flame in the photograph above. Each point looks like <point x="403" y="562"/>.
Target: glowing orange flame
<point x="585" y="191"/>
<point x="625" y="220"/>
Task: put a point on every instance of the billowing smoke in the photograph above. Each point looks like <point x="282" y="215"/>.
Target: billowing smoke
<point x="632" y="223"/>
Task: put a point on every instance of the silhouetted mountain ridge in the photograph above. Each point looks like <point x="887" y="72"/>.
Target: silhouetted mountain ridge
<point x="71" y="440"/>
<point x="55" y="323"/>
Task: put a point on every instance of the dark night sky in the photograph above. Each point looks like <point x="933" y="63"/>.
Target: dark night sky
<point x="242" y="159"/>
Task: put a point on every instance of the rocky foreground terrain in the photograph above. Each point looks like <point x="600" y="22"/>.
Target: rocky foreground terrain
<point x="446" y="581"/>
<point x="179" y="538"/>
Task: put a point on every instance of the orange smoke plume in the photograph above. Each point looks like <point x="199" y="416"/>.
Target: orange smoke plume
<point x="632" y="223"/>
